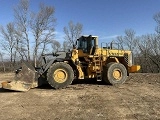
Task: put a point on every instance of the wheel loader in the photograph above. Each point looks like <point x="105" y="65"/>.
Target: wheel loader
<point x="86" y="60"/>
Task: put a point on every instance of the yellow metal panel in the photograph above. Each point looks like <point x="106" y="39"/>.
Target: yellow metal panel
<point x="111" y="52"/>
<point x="75" y="53"/>
<point x="81" y="53"/>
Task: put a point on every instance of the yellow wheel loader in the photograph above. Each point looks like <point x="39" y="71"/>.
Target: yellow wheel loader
<point x="107" y="63"/>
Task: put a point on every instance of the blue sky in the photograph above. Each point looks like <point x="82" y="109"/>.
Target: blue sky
<point x="104" y="18"/>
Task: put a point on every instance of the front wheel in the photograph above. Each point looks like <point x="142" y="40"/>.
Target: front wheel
<point x="60" y="75"/>
<point x="114" y="73"/>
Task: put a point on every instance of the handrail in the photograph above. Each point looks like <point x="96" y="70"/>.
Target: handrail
<point x="110" y="46"/>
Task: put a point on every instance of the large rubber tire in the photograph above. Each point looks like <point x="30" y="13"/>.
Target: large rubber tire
<point x="60" y="75"/>
<point x="114" y="73"/>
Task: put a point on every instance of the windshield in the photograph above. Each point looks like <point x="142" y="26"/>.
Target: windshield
<point x="85" y="43"/>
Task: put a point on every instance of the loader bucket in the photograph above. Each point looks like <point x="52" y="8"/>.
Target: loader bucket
<point x="25" y="78"/>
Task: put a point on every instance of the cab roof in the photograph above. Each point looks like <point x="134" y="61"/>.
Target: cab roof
<point x="89" y="35"/>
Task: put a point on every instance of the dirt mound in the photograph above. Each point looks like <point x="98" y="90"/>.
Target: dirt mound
<point x="150" y="78"/>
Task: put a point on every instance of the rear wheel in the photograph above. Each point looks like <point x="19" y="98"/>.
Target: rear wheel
<point x="60" y="75"/>
<point x="114" y="73"/>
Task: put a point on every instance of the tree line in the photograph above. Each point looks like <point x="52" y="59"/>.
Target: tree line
<point x="145" y="48"/>
<point x="31" y="34"/>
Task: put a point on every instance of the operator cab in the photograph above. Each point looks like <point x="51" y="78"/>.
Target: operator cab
<point x="87" y="44"/>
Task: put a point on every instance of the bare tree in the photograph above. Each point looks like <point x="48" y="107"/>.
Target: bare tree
<point x="21" y="14"/>
<point x="149" y="53"/>
<point x="8" y="39"/>
<point x="130" y="39"/>
<point x="48" y="38"/>
<point x="144" y="49"/>
<point x="72" y="32"/>
<point x="155" y="51"/>
<point x="2" y="61"/>
<point x="65" y="46"/>
<point x="56" y="46"/>
<point x="120" y="41"/>
<point x="42" y="26"/>
<point x="156" y="17"/>
<point x="21" y="50"/>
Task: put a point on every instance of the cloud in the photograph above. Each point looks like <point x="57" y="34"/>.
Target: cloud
<point x="59" y="36"/>
<point x="56" y="32"/>
<point x="108" y="37"/>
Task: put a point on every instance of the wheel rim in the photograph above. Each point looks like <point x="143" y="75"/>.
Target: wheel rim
<point x="60" y="75"/>
<point x="117" y="74"/>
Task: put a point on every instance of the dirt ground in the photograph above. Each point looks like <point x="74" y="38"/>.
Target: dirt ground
<point x="138" y="98"/>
